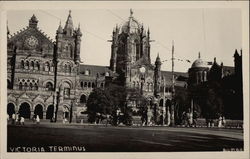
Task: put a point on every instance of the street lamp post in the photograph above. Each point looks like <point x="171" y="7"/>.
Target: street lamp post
<point x="173" y="89"/>
<point x="163" y="105"/>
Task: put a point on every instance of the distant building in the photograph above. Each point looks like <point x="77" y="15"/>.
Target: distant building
<point x="224" y="81"/>
<point x="47" y="78"/>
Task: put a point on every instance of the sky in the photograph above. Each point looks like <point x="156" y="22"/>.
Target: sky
<point x="214" y="32"/>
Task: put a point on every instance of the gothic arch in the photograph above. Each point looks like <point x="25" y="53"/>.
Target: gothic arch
<point x="83" y="99"/>
<point x="25" y="110"/>
<point x="38" y="110"/>
<point x="11" y="109"/>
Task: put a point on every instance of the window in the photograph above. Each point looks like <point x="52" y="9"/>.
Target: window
<point x="31" y="86"/>
<point x="87" y="72"/>
<point x="47" y="66"/>
<point x="22" y="64"/>
<point x="49" y="86"/>
<point x="35" y="87"/>
<point x="32" y="65"/>
<point x="107" y="74"/>
<point x="85" y="84"/>
<point x="67" y="92"/>
<point x="8" y="84"/>
<point x="81" y="84"/>
<point x="37" y="65"/>
<point x="20" y="86"/>
<point x="27" y="65"/>
<point x="25" y="85"/>
<point x="83" y="99"/>
<point x="89" y="85"/>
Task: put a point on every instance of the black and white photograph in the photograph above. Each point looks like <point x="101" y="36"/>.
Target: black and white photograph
<point x="125" y="77"/>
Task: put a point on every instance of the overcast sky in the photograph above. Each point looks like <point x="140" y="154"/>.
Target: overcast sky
<point x="213" y="32"/>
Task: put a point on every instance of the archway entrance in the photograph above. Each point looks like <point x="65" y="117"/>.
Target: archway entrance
<point x="83" y="99"/>
<point x="39" y="111"/>
<point x="50" y="112"/>
<point x="65" y="112"/>
<point x="10" y="109"/>
<point x="24" y="110"/>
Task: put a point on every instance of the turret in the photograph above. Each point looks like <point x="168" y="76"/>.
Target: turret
<point x="33" y="22"/>
<point x="68" y="28"/>
<point x="157" y="76"/>
<point x="78" y="44"/>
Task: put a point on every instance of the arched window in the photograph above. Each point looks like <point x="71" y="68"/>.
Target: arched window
<point x="65" y="67"/>
<point x="49" y="86"/>
<point x="102" y="85"/>
<point x="89" y="85"/>
<point x="37" y="65"/>
<point x="32" y="65"/>
<point x="86" y="72"/>
<point x="27" y="65"/>
<point x="93" y="85"/>
<point x="85" y="84"/>
<point x="35" y="87"/>
<point x="68" y="68"/>
<point x="8" y="84"/>
<point x="22" y="64"/>
<point x="137" y="50"/>
<point x="31" y="86"/>
<point x="47" y="66"/>
<point x="83" y="99"/>
<point x="20" y="86"/>
<point x="66" y="87"/>
<point x="81" y="84"/>
<point x="25" y="85"/>
<point x="51" y="66"/>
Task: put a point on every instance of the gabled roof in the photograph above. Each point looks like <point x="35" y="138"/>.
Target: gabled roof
<point x="94" y="69"/>
<point x="28" y="29"/>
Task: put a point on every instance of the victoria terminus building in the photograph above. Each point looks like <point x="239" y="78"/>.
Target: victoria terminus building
<point x="46" y="78"/>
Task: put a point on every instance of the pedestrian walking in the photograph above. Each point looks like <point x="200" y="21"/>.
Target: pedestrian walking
<point x="17" y="119"/>
<point x="220" y="122"/>
<point x="195" y="116"/>
<point x="37" y="119"/>
<point x="22" y="120"/>
<point x="13" y="118"/>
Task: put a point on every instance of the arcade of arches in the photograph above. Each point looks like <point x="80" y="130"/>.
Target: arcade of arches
<point x="26" y="111"/>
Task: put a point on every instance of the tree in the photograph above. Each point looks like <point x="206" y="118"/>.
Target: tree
<point x="98" y="104"/>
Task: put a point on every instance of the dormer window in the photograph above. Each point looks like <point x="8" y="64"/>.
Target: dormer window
<point x="107" y="74"/>
<point x="87" y="72"/>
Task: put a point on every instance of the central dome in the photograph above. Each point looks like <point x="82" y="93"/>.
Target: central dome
<point x="131" y="26"/>
<point x="199" y="63"/>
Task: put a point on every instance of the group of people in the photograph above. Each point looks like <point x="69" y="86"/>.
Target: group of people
<point x="189" y="119"/>
<point x="17" y="119"/>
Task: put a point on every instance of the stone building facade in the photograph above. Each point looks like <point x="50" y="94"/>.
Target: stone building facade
<point x="47" y="78"/>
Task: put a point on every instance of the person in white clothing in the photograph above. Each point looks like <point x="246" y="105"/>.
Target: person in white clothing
<point x="22" y="121"/>
<point x="37" y="119"/>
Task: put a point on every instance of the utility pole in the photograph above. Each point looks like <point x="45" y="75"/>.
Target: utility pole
<point x="173" y="89"/>
<point x="163" y="105"/>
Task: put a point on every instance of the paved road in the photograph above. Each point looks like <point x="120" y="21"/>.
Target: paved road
<point x="123" y="139"/>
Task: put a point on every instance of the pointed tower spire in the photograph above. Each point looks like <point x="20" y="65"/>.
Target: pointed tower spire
<point x="131" y="12"/>
<point x="68" y="28"/>
<point x="199" y="55"/>
<point x="78" y="32"/>
<point x="59" y="30"/>
<point x="8" y="31"/>
<point x="158" y="60"/>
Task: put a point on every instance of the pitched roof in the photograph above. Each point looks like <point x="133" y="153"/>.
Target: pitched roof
<point x="94" y="69"/>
